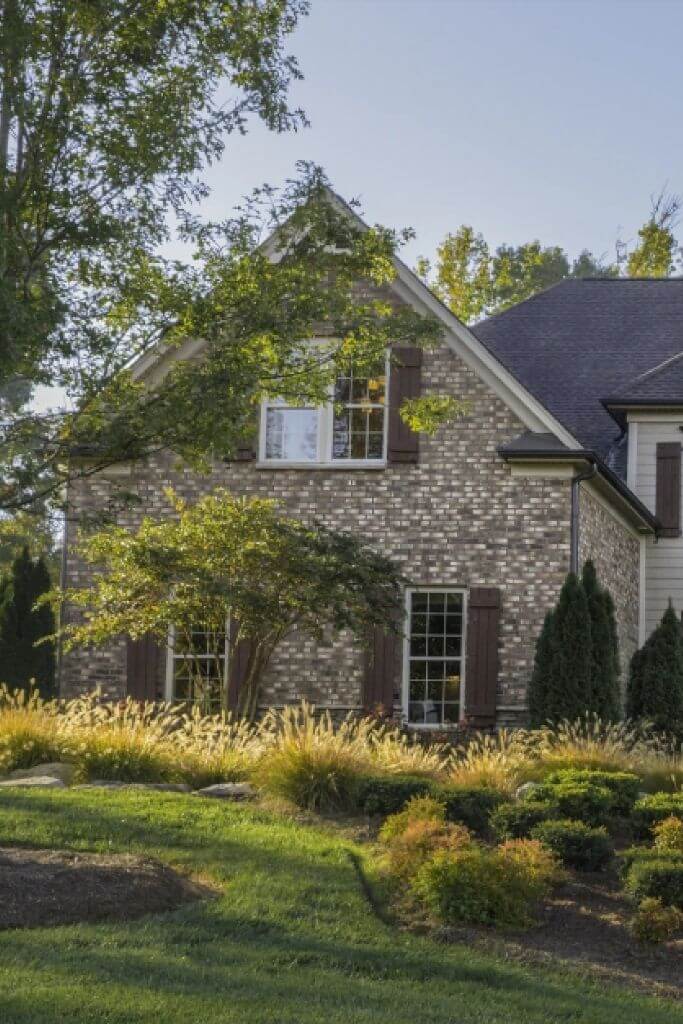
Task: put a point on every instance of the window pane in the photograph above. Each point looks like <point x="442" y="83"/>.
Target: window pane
<point x="292" y="434"/>
<point x="435" y="632"/>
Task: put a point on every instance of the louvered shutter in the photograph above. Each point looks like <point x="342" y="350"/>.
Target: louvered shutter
<point x="143" y="657"/>
<point x="382" y="671"/>
<point x="668" y="502"/>
<point x="405" y="381"/>
<point x="238" y="664"/>
<point x="481" y="671"/>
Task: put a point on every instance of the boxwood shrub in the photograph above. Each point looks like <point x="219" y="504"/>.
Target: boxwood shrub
<point x="624" y="786"/>
<point x="576" y="844"/>
<point x="579" y="801"/>
<point x="650" y="810"/>
<point x="660" y="877"/>
<point x="515" y="820"/>
<point x="466" y="805"/>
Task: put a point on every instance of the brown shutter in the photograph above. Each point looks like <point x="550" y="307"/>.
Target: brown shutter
<point x="405" y="381"/>
<point x="245" y="453"/>
<point x="668" y="506"/>
<point x="238" y="663"/>
<point x="481" y="671"/>
<point x="382" y="664"/>
<point x="143" y="657"/>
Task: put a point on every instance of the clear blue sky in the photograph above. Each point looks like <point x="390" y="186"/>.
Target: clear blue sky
<point x="553" y="119"/>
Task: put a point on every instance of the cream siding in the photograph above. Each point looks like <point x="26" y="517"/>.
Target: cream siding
<point x="664" y="557"/>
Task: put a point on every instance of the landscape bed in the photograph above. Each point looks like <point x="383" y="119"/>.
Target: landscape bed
<point x="291" y="938"/>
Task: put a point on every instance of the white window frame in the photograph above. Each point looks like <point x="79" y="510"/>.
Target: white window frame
<point x="325" y="435"/>
<point x="171" y="657"/>
<point x="405" y="687"/>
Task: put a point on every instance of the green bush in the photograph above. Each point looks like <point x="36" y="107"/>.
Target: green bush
<point x="469" y="805"/>
<point x="669" y="835"/>
<point x="580" y="801"/>
<point x="576" y="844"/>
<point x="478" y="885"/>
<point x="515" y="820"/>
<point x="650" y="810"/>
<point x="659" y="877"/>
<point x="388" y="794"/>
<point x="624" y="786"/>
<point x="654" y="922"/>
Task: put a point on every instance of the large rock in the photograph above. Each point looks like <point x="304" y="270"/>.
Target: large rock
<point x="229" y="791"/>
<point x="34" y="781"/>
<point x="54" y="769"/>
<point x="527" y="790"/>
<point x="161" y="787"/>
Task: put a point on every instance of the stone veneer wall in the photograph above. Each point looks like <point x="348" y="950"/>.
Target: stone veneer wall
<point x="458" y="518"/>
<point x="615" y="550"/>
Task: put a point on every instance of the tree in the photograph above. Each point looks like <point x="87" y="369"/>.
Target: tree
<point x="256" y="307"/>
<point x="231" y="558"/>
<point x="576" y="665"/>
<point x="475" y="281"/>
<point x="35" y="531"/>
<point x="655" y="685"/>
<point x="108" y="114"/>
<point x="657" y="250"/>
<point x="605" y="697"/>
<point x="22" y="626"/>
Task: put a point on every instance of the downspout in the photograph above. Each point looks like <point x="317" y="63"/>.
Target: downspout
<point x="577" y="480"/>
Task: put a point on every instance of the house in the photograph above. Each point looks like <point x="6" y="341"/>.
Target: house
<point x="572" y="450"/>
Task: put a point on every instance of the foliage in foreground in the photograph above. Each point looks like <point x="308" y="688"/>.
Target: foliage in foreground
<point x="653" y="922"/>
<point x="290" y="923"/>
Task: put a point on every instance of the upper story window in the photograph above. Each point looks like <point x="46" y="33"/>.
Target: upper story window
<point x="350" y="428"/>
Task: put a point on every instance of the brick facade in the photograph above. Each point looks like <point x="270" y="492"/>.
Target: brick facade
<point x="615" y="551"/>
<point x="457" y="518"/>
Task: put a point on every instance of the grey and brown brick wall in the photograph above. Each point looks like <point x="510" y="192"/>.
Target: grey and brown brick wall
<point x="456" y="518"/>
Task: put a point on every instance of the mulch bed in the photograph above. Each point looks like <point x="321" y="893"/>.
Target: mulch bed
<point x="53" y="887"/>
<point x="585" y="925"/>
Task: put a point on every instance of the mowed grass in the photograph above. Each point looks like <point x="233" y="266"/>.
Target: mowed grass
<point x="291" y="939"/>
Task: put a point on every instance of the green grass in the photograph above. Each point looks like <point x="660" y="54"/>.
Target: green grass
<point x="292" y="940"/>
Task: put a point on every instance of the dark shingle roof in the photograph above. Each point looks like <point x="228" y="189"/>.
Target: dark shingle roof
<point x="664" y="384"/>
<point x="585" y="340"/>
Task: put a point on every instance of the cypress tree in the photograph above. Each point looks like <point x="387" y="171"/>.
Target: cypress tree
<point x="655" y="686"/>
<point x="604" y="696"/>
<point x="21" y="626"/>
<point x="543" y="670"/>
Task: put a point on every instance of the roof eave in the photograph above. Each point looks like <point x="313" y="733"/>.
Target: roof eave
<point x="637" y="512"/>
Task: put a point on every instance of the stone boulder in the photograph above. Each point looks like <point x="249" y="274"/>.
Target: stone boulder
<point x="34" y="781"/>
<point x="229" y="791"/>
<point x="54" y="769"/>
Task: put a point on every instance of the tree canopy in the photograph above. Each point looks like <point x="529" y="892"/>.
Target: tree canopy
<point x="22" y="658"/>
<point x="476" y="281"/>
<point x="230" y="558"/>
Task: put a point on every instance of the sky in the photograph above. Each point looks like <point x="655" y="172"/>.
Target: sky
<point x="549" y="119"/>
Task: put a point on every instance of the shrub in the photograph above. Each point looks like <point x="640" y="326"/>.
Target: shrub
<point x="420" y="839"/>
<point x="387" y="794"/>
<point x="653" y="922"/>
<point x="651" y="809"/>
<point x="469" y="805"/>
<point x="418" y="808"/>
<point x="516" y="820"/>
<point x="655" y="684"/>
<point x="580" y="801"/>
<point x="479" y="885"/>
<point x="660" y="877"/>
<point x="669" y="835"/>
<point x="577" y="845"/>
<point x="624" y="786"/>
<point x="538" y="860"/>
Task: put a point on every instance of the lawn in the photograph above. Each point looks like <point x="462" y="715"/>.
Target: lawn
<point x="291" y="940"/>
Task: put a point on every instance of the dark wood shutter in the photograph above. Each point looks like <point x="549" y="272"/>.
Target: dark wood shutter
<point x="238" y="663"/>
<point x="382" y="671"/>
<point x="405" y="381"/>
<point x="143" y="658"/>
<point x="481" y="671"/>
<point x="245" y="453"/>
<point x="668" y="505"/>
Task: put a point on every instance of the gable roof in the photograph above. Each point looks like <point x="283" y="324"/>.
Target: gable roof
<point x="585" y="340"/>
<point x="663" y="384"/>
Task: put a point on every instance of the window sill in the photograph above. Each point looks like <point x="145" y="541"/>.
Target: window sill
<point x="336" y="466"/>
